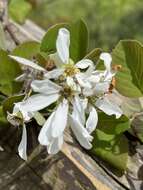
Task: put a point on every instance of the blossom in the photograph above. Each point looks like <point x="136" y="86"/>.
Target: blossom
<point x="76" y="90"/>
<point x="51" y="134"/>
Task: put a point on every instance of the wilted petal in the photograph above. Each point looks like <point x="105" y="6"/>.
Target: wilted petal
<point x="45" y="133"/>
<point x="22" y="148"/>
<point x="45" y="86"/>
<point x="81" y="133"/>
<point x="38" y="102"/>
<point x="62" y="44"/>
<point x="27" y="62"/>
<point x="55" y="145"/>
<point x="106" y="57"/>
<point x="60" y="119"/>
<point x="92" y="120"/>
<point x="109" y="107"/>
<point x="54" y="74"/>
<point x="84" y="63"/>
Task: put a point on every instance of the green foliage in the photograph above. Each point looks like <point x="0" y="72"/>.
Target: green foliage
<point x="27" y="50"/>
<point x="114" y="151"/>
<point x="79" y="34"/>
<point x="19" y="9"/>
<point x="8" y="72"/>
<point x="109" y="142"/>
<point x="129" y="54"/>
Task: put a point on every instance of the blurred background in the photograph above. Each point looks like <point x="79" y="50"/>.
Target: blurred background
<point x="108" y="20"/>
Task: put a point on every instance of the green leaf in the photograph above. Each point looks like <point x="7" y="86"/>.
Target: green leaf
<point x="9" y="103"/>
<point x="48" y="43"/>
<point x="112" y="126"/>
<point x="115" y="151"/>
<point x="3" y="120"/>
<point x="2" y="38"/>
<point x="94" y="55"/>
<point x="9" y="70"/>
<point x="78" y="39"/>
<point x="19" y="9"/>
<point x="27" y="50"/>
<point x="109" y="143"/>
<point x="129" y="54"/>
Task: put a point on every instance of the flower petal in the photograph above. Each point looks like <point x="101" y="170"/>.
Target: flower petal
<point x="27" y="62"/>
<point x="101" y="88"/>
<point x="54" y="74"/>
<point x="45" y="137"/>
<point x="60" y="119"/>
<point x="22" y="148"/>
<point x="62" y="44"/>
<point x="80" y="133"/>
<point x="38" y="102"/>
<point x="78" y="110"/>
<point x="106" y="57"/>
<point x="45" y="86"/>
<point x="84" y="63"/>
<point x="56" y="145"/>
<point x="92" y="120"/>
<point x="109" y="107"/>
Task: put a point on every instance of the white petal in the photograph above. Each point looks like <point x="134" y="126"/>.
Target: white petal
<point x="109" y="107"/>
<point x="54" y="74"/>
<point x="22" y="148"/>
<point x="101" y="88"/>
<point x="60" y="119"/>
<point x="92" y="120"/>
<point x="25" y="114"/>
<point x="62" y="44"/>
<point x="27" y="62"/>
<point x="78" y="110"/>
<point x="45" y="86"/>
<point x="84" y="63"/>
<point x="45" y="133"/>
<point x="55" y="145"/>
<point x="82" y="80"/>
<point x="81" y="133"/>
<point x="38" y="102"/>
<point x="106" y="57"/>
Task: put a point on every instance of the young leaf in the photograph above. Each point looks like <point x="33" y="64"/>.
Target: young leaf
<point x="19" y="9"/>
<point x="27" y="50"/>
<point x="129" y="54"/>
<point x="78" y="39"/>
<point x="48" y="43"/>
<point x="9" y="70"/>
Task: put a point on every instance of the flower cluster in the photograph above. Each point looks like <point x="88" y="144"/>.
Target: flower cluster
<point x="76" y="91"/>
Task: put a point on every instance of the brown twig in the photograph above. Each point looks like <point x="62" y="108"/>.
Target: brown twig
<point x="5" y="20"/>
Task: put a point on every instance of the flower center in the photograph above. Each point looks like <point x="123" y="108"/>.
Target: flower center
<point x="67" y="92"/>
<point x="70" y="69"/>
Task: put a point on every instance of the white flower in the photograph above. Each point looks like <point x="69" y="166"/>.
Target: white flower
<point x="19" y="117"/>
<point x="51" y="134"/>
